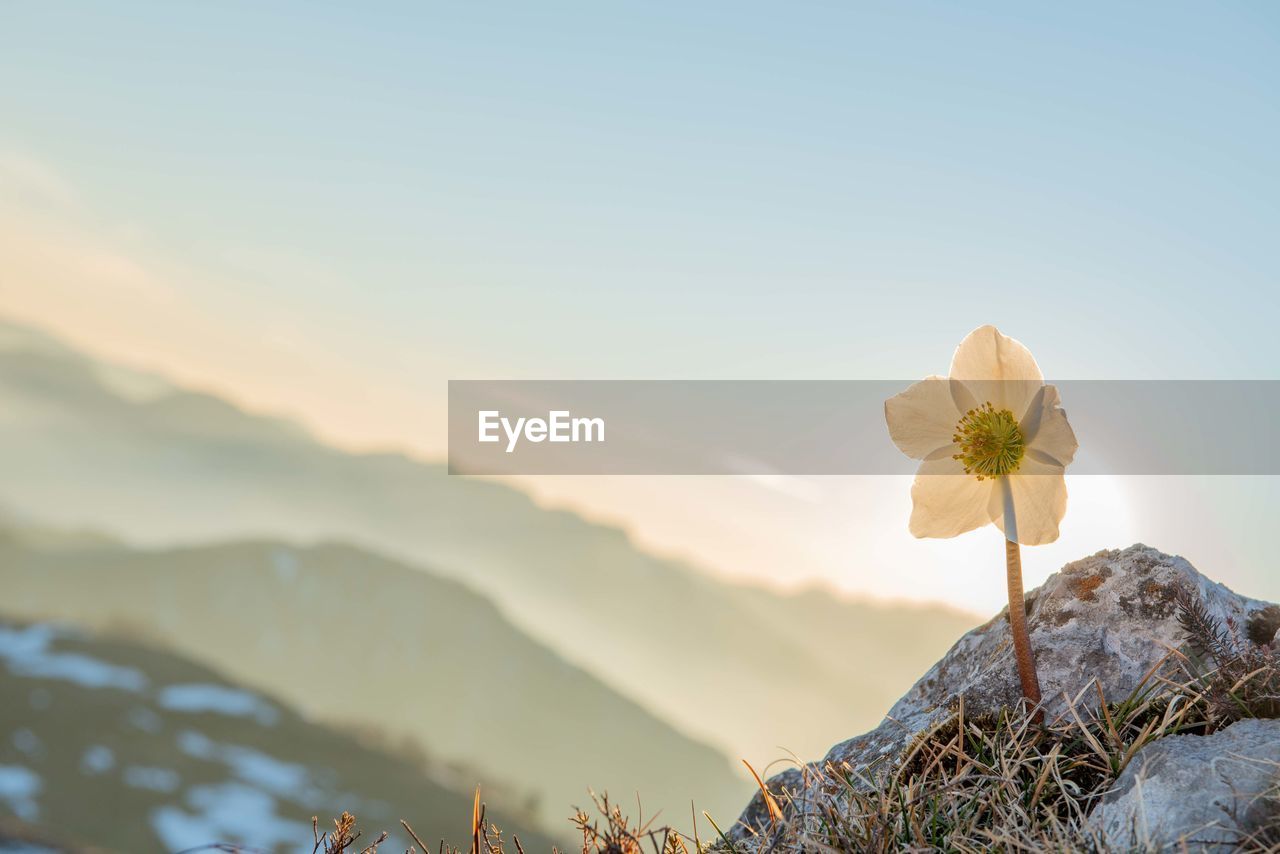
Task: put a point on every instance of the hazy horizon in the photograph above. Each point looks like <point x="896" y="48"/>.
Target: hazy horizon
<point x="654" y="511"/>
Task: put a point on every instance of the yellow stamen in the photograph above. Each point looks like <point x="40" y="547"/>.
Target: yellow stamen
<point x="990" y="441"/>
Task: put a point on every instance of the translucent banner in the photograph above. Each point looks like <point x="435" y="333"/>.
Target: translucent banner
<point x="1145" y="427"/>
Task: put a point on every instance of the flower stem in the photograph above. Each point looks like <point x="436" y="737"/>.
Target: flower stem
<point x="1018" y="626"/>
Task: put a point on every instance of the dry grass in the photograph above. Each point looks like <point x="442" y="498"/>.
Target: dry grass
<point x="975" y="784"/>
<point x="342" y="839"/>
<point x="1006" y="783"/>
<point x="606" y="831"/>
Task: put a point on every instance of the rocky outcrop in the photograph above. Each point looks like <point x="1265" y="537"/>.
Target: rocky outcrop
<point x="1105" y="622"/>
<point x="1203" y="793"/>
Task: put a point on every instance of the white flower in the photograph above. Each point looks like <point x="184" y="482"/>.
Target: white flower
<point x="994" y="442"/>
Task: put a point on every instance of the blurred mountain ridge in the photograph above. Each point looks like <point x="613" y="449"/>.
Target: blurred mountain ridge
<point x="725" y="663"/>
<point x="414" y="656"/>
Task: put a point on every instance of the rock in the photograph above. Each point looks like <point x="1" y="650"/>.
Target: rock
<point x="1109" y="619"/>
<point x="1204" y="793"/>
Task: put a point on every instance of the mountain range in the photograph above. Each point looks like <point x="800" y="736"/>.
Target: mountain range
<point x="86" y="443"/>
<point x="362" y="641"/>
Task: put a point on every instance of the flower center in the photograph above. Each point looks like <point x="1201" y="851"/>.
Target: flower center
<point x="990" y="442"/>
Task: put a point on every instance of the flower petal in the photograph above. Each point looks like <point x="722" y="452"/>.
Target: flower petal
<point x="923" y="418"/>
<point x="1046" y="431"/>
<point x="998" y="369"/>
<point x="946" y="502"/>
<point x="1039" y="493"/>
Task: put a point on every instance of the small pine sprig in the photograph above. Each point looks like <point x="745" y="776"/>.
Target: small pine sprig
<point x="1246" y="681"/>
<point x="1204" y="631"/>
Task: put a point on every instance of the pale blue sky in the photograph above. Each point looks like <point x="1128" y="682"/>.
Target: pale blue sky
<point x="733" y="189"/>
<point x="394" y="195"/>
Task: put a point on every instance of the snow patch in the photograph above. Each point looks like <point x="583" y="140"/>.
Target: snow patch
<point x="97" y="759"/>
<point x="231" y="812"/>
<point x="26" y="651"/>
<point x="284" y="779"/>
<point x="18" y="789"/>
<point x="219" y="699"/>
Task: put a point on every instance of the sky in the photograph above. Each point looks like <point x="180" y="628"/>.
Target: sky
<point x="328" y="211"/>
